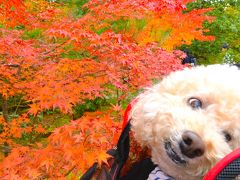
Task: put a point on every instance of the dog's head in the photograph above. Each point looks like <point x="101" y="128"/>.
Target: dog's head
<point x="190" y="120"/>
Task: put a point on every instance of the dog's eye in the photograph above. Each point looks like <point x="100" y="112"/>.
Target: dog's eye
<point x="227" y="136"/>
<point x="195" y="103"/>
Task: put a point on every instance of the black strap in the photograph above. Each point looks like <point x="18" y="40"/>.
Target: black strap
<point x="123" y="145"/>
<point x="90" y="172"/>
<point x="237" y="64"/>
<point x="120" y="155"/>
<point x="122" y="152"/>
<point x="140" y="170"/>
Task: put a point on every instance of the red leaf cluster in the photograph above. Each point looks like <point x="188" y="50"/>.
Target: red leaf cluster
<point x="71" y="149"/>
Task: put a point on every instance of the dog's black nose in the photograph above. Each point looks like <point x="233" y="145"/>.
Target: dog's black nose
<point x="191" y="145"/>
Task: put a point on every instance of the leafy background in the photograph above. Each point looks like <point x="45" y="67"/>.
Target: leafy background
<point x="225" y="28"/>
<point x="68" y="69"/>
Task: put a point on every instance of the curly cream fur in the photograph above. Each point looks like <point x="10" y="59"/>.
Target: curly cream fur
<point x="162" y="112"/>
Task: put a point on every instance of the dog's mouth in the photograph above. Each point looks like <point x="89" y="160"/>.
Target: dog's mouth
<point x="172" y="154"/>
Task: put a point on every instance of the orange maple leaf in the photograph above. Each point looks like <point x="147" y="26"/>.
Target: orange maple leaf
<point x="102" y="158"/>
<point x="34" y="109"/>
<point x="39" y="129"/>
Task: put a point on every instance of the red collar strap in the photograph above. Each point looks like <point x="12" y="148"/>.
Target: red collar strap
<point x="227" y="168"/>
<point x="126" y="117"/>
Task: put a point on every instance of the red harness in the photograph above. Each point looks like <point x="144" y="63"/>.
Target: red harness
<point x="227" y="168"/>
<point x="126" y="117"/>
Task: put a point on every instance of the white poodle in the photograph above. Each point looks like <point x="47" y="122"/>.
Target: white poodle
<point x="190" y="120"/>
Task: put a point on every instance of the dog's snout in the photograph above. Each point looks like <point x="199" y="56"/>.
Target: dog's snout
<point x="191" y="144"/>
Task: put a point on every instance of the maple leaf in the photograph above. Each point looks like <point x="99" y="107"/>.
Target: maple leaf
<point x="103" y="158"/>
<point x="34" y="109"/>
<point x="117" y="107"/>
<point x="48" y="163"/>
<point x="33" y="173"/>
<point x="39" y="129"/>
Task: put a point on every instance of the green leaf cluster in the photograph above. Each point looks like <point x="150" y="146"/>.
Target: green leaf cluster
<point x="225" y="28"/>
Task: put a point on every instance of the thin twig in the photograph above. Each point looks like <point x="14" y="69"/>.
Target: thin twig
<point x="45" y="53"/>
<point x="66" y="174"/>
<point x="18" y="106"/>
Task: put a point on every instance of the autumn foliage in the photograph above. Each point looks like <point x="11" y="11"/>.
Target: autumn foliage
<point x="71" y="148"/>
<point x="52" y="60"/>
